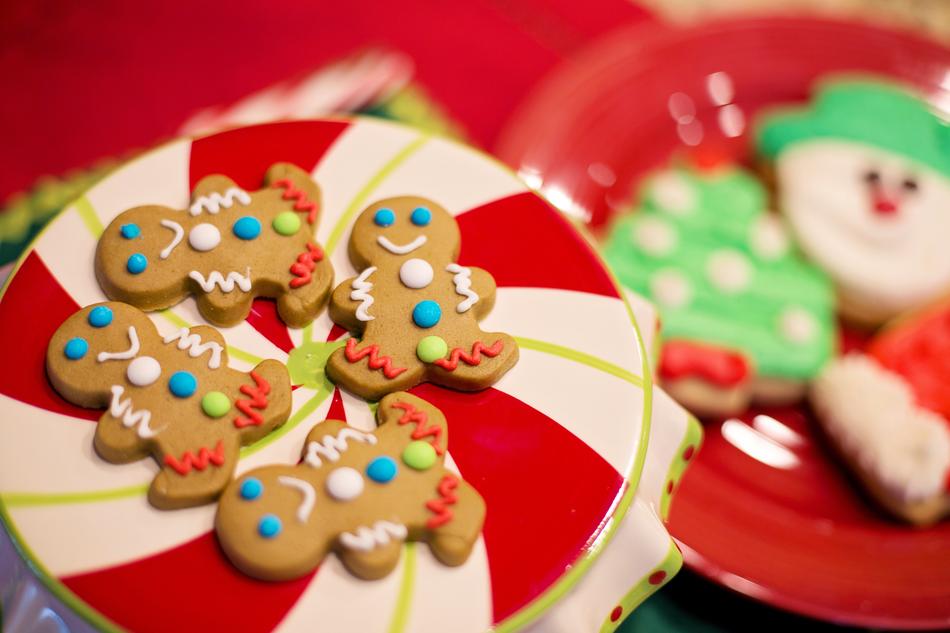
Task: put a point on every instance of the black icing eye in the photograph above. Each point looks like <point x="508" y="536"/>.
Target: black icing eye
<point x="910" y="184"/>
<point x="872" y="177"/>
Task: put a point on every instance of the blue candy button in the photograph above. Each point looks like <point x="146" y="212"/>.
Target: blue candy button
<point x="100" y="316"/>
<point x="382" y="469"/>
<point x="137" y="263"/>
<point x="270" y="526"/>
<point x="426" y="313"/>
<point x="421" y="216"/>
<point x="384" y="217"/>
<point x="76" y="348"/>
<point x="130" y="231"/>
<point x="251" y="488"/>
<point x="182" y="384"/>
<point x="247" y="228"/>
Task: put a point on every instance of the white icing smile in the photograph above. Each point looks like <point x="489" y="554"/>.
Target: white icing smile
<point x="405" y="249"/>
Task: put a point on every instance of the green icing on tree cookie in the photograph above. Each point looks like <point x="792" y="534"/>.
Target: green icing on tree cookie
<point x="722" y="269"/>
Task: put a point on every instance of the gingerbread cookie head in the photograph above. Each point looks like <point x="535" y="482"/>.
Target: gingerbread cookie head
<point x="357" y="493"/>
<point x="227" y="248"/>
<point x="414" y="306"/>
<point x="864" y="177"/>
<point x="172" y="397"/>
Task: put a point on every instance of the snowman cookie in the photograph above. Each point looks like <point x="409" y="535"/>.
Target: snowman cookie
<point x="227" y="248"/>
<point x="863" y="175"/>
<point x="744" y="316"/>
<point x="172" y="397"/>
<point x="360" y="494"/>
<point x="413" y="307"/>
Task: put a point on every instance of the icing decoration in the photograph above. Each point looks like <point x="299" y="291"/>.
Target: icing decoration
<point x="673" y="193"/>
<point x="432" y="348"/>
<point x="122" y="410"/>
<point x="729" y="271"/>
<point x="302" y="203"/>
<point x="127" y="354"/>
<point x="440" y="506"/>
<point x="768" y="238"/>
<point x="143" y="371"/>
<point x="684" y="359"/>
<point x="797" y="325"/>
<point x="201" y="461"/>
<point x="214" y="202"/>
<point x="426" y="314"/>
<point x="215" y="404"/>
<point x="655" y="236"/>
<point x="204" y="237"/>
<point x="404" y="249"/>
<point x="176" y="238"/>
<point x="225" y="283"/>
<point x="421" y="429"/>
<point x="136" y="264"/>
<point x="361" y="292"/>
<point x="671" y="289"/>
<point x="305" y="265"/>
<point x="415" y="273"/>
<point x="192" y="343"/>
<point x="366" y="539"/>
<point x="270" y="526"/>
<point x="421" y="216"/>
<point x="286" y="223"/>
<point x="251" y="489"/>
<point x="183" y="384"/>
<point x="382" y="469"/>
<point x="76" y="348"/>
<point x="384" y="217"/>
<point x="419" y="455"/>
<point x="306" y="490"/>
<point x="345" y="484"/>
<point x="331" y="447"/>
<point x="473" y="359"/>
<point x="256" y="399"/>
<point x="100" y="316"/>
<point x="248" y="227"/>
<point x="463" y="286"/>
<point x="354" y="355"/>
<point x="130" y="231"/>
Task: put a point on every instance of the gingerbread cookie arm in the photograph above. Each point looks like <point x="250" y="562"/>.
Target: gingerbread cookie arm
<point x="475" y="288"/>
<point x="349" y="312"/>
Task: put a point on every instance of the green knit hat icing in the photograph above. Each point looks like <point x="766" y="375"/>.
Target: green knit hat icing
<point x="878" y="114"/>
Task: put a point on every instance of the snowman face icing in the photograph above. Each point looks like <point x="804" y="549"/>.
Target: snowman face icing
<point x="877" y="222"/>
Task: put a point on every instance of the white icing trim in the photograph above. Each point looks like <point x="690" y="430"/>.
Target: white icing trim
<point x="405" y="249"/>
<point x="128" y="354"/>
<point x="361" y="292"/>
<point x="463" y="286"/>
<point x="122" y="410"/>
<point x="179" y="233"/>
<point x="365" y="539"/>
<point x="331" y="447"/>
<point x="213" y="202"/>
<point x="309" y="495"/>
<point x="192" y="343"/>
<point x="225" y="283"/>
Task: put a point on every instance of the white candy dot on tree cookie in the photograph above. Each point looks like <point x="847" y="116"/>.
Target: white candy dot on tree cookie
<point x="768" y="238"/>
<point x="345" y="484"/>
<point x="729" y="271"/>
<point x="655" y="237"/>
<point x="670" y="288"/>
<point x="673" y="193"/>
<point x="797" y="325"/>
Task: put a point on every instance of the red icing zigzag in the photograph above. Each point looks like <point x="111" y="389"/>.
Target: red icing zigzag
<point x="375" y="361"/>
<point x="473" y="359"/>
<point x="305" y="264"/>
<point x="189" y="461"/>
<point x="302" y="203"/>
<point x="439" y="506"/>
<point x="419" y="418"/>
<point x="257" y="400"/>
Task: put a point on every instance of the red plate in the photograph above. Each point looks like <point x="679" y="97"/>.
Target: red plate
<point x="765" y="509"/>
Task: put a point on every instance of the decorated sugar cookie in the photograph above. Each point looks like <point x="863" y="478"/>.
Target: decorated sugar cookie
<point x="227" y="248"/>
<point x="888" y="412"/>
<point x="863" y="174"/>
<point x="744" y="316"/>
<point x="413" y="307"/>
<point x="171" y="397"/>
<point x="357" y="493"/>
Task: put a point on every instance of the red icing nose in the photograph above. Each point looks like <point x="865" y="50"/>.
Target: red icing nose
<point x="884" y="206"/>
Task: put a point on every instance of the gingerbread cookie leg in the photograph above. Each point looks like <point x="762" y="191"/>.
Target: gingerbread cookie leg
<point x="371" y="371"/>
<point x="194" y="474"/>
<point x="471" y="364"/>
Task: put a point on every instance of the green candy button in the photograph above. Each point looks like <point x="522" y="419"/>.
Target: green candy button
<point x="287" y="223"/>
<point x="431" y="349"/>
<point x="419" y="455"/>
<point x="215" y="404"/>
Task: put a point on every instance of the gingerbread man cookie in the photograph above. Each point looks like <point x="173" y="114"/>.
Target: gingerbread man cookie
<point x="358" y="493"/>
<point x="415" y="308"/>
<point x="227" y="248"/>
<point x="173" y="397"/>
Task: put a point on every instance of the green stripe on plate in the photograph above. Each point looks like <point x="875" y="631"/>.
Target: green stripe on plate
<point x="580" y="357"/>
<point x="247" y="357"/>
<point x="89" y="217"/>
<point x="406" y="583"/>
<point x="27" y="499"/>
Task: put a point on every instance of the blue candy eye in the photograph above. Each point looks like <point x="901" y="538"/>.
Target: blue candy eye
<point x="183" y="384"/>
<point x="137" y="263"/>
<point x="100" y="316"/>
<point x="130" y="231"/>
<point x="384" y="217"/>
<point x="270" y="526"/>
<point x="76" y="348"/>
<point x="251" y="488"/>
<point x="421" y="216"/>
<point x="247" y="228"/>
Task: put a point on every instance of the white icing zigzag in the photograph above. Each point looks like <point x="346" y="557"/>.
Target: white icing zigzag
<point x="192" y="343"/>
<point x="361" y="292"/>
<point x="331" y="447"/>
<point x="179" y="233"/>
<point x="213" y="202"/>
<point x="309" y="495"/>
<point x="225" y="283"/>
<point x="463" y="286"/>
<point x="128" y="354"/>
<point x="365" y="539"/>
<point x="122" y="410"/>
